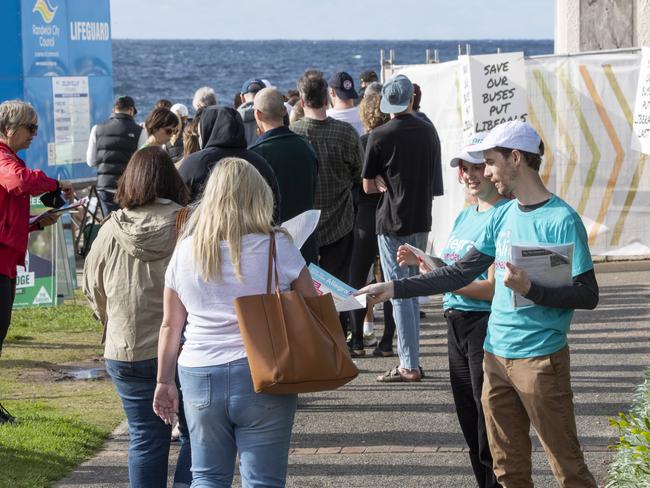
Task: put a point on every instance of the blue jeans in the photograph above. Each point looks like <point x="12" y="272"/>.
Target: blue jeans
<point x="406" y="311"/>
<point x="150" y="437"/>
<point x="224" y="416"/>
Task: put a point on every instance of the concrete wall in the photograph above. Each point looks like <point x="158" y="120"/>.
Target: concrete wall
<point x="590" y="25"/>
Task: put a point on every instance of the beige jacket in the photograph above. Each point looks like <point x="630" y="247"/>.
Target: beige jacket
<point x="124" y="277"/>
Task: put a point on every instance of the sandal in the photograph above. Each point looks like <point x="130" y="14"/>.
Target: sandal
<point x="396" y="376"/>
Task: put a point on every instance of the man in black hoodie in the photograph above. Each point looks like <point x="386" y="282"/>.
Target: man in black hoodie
<point x="221" y="132"/>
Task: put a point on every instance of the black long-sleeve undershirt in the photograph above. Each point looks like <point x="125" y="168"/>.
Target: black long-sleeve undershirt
<point x="581" y="294"/>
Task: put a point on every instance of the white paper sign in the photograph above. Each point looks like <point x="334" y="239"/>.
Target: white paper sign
<point x="493" y="90"/>
<point x="641" y="120"/>
<point x="71" y="120"/>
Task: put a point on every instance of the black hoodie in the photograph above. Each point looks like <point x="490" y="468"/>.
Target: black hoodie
<point x="222" y="131"/>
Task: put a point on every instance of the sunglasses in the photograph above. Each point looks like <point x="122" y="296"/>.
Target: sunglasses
<point x="32" y="128"/>
<point x="170" y="131"/>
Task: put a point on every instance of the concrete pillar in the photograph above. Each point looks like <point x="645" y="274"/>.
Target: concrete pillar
<point x="592" y="25"/>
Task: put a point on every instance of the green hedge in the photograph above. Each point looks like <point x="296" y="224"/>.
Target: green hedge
<point x="631" y="465"/>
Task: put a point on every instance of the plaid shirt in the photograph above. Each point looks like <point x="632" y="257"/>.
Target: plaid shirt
<point x="340" y="158"/>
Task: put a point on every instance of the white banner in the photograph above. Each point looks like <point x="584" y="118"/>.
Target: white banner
<point x="583" y="108"/>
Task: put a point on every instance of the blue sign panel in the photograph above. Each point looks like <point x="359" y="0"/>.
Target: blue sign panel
<point x="66" y="74"/>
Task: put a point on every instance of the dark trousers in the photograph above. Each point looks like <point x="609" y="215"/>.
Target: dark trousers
<point x="335" y="259"/>
<point x="106" y="201"/>
<point x="7" y="294"/>
<point x="364" y="252"/>
<point x="465" y="337"/>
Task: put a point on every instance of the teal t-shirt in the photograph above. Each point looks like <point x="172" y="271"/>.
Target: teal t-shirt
<point x="534" y="330"/>
<point x="467" y="229"/>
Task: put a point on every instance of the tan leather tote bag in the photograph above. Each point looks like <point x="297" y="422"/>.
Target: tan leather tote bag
<point x="294" y="344"/>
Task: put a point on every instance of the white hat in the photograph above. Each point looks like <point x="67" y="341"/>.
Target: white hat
<point x="465" y="156"/>
<point x="180" y="110"/>
<point x="511" y="135"/>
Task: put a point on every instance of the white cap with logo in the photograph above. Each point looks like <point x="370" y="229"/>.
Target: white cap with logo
<point x="511" y="135"/>
<point x="465" y="156"/>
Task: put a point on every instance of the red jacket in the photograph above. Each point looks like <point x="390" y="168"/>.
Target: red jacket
<point x="17" y="184"/>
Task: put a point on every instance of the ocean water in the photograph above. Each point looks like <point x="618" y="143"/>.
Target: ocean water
<point x="174" y="69"/>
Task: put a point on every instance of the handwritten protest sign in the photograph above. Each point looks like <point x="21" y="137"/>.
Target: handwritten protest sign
<point x="493" y="90"/>
<point x="641" y="120"/>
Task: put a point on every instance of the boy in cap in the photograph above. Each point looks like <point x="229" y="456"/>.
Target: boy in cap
<point x="343" y="95"/>
<point x="402" y="161"/>
<point x="526" y="364"/>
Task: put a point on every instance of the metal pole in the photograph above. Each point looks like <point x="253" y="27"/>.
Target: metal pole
<point x="436" y="56"/>
<point x="427" y="56"/>
<point x="498" y="50"/>
<point x="392" y="57"/>
<point x="468" y="49"/>
<point x="460" y="50"/>
<point x="382" y="62"/>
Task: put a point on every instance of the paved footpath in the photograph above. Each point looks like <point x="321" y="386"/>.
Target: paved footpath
<point x="369" y="434"/>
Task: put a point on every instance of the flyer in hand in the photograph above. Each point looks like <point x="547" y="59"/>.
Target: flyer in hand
<point x="432" y="262"/>
<point x="341" y="292"/>
<point x="545" y="265"/>
<point x="66" y="208"/>
<point x="302" y="226"/>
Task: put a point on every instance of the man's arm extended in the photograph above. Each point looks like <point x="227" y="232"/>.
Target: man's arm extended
<point x="448" y="278"/>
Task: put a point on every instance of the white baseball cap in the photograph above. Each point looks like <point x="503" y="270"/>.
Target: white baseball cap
<point x="511" y="135"/>
<point x="180" y="110"/>
<point x="465" y="156"/>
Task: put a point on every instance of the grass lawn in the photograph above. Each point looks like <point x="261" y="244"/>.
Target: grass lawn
<point x="61" y="422"/>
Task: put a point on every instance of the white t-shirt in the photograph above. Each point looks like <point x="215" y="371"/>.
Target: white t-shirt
<point x="349" y="115"/>
<point x="212" y="334"/>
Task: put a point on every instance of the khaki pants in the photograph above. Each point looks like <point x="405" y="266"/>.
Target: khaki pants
<point x="518" y="392"/>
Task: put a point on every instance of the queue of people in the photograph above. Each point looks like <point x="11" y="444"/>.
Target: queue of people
<point x="188" y="232"/>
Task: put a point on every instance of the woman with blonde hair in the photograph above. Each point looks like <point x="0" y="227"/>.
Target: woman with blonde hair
<point x="219" y="258"/>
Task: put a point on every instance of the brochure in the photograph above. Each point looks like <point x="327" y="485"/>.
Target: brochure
<point x="545" y="265"/>
<point x="341" y="292"/>
<point x="65" y="208"/>
<point x="432" y="262"/>
<point x="302" y="226"/>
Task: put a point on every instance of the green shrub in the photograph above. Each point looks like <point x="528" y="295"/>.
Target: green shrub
<point x="631" y="465"/>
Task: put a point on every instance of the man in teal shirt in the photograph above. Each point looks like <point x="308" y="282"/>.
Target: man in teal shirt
<point x="526" y="365"/>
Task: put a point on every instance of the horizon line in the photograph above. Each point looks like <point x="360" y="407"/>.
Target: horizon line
<point x="328" y="40"/>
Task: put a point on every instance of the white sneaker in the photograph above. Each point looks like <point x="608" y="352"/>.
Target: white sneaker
<point x="369" y="340"/>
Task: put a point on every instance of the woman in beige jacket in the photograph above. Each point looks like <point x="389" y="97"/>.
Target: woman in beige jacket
<point x="124" y="281"/>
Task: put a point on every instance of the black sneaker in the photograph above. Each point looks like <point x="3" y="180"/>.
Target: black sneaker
<point x="6" y="417"/>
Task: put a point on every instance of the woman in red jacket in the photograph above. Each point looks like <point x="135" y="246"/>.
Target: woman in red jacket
<point x="18" y="126"/>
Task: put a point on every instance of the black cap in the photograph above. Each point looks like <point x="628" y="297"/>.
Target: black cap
<point x="124" y="103"/>
<point x="343" y="84"/>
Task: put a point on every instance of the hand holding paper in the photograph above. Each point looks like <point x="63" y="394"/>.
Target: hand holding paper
<point x="516" y="279"/>
<point x="345" y="297"/>
<point x="302" y="226"/>
<point x="56" y="211"/>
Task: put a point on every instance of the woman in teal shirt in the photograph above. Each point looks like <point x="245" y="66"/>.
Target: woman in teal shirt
<point x="467" y="312"/>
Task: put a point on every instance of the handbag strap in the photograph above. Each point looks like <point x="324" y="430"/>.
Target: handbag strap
<point x="181" y="220"/>
<point x="273" y="266"/>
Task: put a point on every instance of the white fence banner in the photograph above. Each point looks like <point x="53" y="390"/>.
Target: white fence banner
<point x="582" y="106"/>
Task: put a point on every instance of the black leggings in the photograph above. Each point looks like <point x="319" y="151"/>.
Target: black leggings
<point x="364" y="252"/>
<point x="465" y="337"/>
<point x="7" y="294"/>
